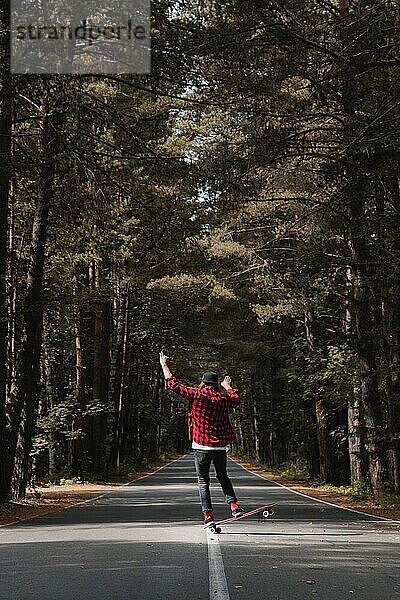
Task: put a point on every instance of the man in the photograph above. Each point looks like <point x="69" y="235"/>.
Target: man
<point x="210" y="432"/>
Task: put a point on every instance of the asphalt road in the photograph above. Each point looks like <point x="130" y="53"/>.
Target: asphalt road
<point x="146" y="540"/>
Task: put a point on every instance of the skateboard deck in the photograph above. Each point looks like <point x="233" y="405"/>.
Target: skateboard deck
<point x="264" y="512"/>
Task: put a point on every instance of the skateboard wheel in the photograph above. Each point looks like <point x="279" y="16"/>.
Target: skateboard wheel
<point x="214" y="529"/>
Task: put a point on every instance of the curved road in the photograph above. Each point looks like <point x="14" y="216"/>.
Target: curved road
<point x="145" y="540"/>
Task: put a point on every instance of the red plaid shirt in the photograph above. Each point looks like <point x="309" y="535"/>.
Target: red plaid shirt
<point x="208" y="418"/>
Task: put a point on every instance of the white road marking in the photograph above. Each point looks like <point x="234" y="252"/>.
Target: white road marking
<point x="216" y="571"/>
<point x="360" y="512"/>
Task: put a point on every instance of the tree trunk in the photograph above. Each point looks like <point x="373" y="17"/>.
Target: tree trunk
<point x="117" y="379"/>
<point x="256" y="426"/>
<point x="355" y="418"/>
<point x="362" y="305"/>
<point x="11" y="293"/>
<point x="356" y="190"/>
<point x="153" y="445"/>
<point x="356" y="450"/>
<point x="76" y="445"/>
<point x="114" y="385"/>
<point x="98" y="419"/>
<point x="327" y="458"/>
<point x="49" y="402"/>
<point x="394" y="346"/>
<point x="5" y="176"/>
<point x="24" y="393"/>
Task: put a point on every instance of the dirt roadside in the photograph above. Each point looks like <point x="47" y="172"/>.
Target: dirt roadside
<point x="339" y="499"/>
<point x="51" y="499"/>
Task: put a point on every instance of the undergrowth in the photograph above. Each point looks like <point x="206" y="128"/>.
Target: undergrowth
<point x="356" y="491"/>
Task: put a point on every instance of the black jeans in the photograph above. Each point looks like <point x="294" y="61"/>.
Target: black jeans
<point x="203" y="460"/>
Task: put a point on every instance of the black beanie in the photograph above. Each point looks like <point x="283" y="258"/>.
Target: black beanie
<point x="211" y="378"/>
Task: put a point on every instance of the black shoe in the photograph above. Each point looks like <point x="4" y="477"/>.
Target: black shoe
<point x="209" y="521"/>
<point x="237" y="512"/>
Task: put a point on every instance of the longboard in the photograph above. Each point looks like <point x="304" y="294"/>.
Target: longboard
<point x="265" y="512"/>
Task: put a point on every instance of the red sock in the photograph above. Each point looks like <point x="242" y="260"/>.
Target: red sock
<point x="209" y="514"/>
<point x="234" y="505"/>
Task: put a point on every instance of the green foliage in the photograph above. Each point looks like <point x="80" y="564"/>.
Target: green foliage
<point x="72" y="481"/>
<point x="330" y="376"/>
<point x="358" y="490"/>
<point x="297" y="470"/>
<point x="54" y="429"/>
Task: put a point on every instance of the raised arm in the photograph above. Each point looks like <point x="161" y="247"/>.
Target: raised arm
<point x="171" y="381"/>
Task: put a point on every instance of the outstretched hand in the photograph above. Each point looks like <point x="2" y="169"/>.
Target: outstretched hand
<point x="226" y="383"/>
<point x="163" y="359"/>
<point x="164" y="366"/>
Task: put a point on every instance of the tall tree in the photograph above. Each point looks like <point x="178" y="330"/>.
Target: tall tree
<point x="24" y="392"/>
<point x="5" y="177"/>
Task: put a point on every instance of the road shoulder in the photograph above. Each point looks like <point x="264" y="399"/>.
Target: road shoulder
<point x="44" y="500"/>
<point x="366" y="506"/>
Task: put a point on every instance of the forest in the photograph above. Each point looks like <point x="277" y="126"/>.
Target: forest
<point x="239" y="208"/>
